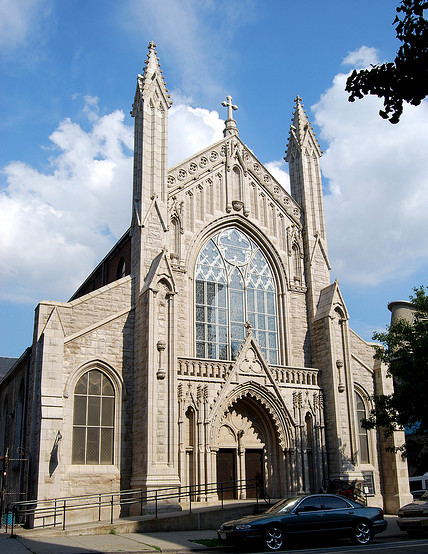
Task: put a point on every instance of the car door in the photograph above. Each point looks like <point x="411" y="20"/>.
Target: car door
<point x="339" y="513"/>
<point x="308" y="516"/>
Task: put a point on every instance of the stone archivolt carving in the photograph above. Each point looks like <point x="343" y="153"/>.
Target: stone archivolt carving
<point x="276" y="414"/>
<point x="238" y="424"/>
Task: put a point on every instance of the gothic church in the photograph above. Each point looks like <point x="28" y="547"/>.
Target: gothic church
<point x="209" y="344"/>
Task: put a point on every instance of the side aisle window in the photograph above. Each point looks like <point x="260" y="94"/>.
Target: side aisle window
<point x="93" y="419"/>
<point x="362" y="432"/>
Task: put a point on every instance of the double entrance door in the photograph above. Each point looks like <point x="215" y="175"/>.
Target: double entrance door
<point x="228" y="472"/>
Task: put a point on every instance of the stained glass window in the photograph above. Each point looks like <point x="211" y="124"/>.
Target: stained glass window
<point x="234" y="284"/>
<point x="362" y="432"/>
<point x="93" y="419"/>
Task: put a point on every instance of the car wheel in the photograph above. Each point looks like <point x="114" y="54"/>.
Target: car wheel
<point x="362" y="533"/>
<point x="274" y="538"/>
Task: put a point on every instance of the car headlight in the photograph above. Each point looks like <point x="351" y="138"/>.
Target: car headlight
<point x="243" y="526"/>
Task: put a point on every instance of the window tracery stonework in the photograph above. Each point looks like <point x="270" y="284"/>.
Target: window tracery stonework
<point x="234" y="284"/>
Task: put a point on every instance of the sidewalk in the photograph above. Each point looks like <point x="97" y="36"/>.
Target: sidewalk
<point x="179" y="541"/>
<point x="170" y="541"/>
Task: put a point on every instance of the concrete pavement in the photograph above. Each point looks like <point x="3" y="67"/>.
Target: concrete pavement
<point x="170" y="541"/>
<point x="179" y="541"/>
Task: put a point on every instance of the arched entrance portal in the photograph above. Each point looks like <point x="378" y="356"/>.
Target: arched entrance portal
<point x="248" y="448"/>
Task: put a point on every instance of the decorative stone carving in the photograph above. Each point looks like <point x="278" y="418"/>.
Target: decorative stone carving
<point x="251" y="363"/>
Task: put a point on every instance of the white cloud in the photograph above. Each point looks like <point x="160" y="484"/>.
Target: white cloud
<point x="190" y="129"/>
<point x="276" y="168"/>
<point x="21" y="19"/>
<point x="56" y="222"/>
<point x="378" y="182"/>
<point x="55" y="226"/>
<point x="195" y="36"/>
<point x="361" y="58"/>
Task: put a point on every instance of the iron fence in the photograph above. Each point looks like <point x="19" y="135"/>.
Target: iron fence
<point x="54" y="512"/>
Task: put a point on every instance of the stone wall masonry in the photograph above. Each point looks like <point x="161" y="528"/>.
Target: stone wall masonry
<point x="101" y="330"/>
<point x="96" y="306"/>
<point x="111" y="342"/>
<point x="329" y="383"/>
<point x="209" y="194"/>
<point x="363" y="362"/>
<point x="298" y="331"/>
<point x="213" y="160"/>
<point x="142" y="421"/>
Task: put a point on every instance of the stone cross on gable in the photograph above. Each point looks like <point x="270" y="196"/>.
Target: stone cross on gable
<point x="230" y="123"/>
<point x="229" y="107"/>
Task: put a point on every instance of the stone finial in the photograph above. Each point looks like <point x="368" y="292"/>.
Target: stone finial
<point x="301" y="130"/>
<point x="151" y="74"/>
<point x="230" y="123"/>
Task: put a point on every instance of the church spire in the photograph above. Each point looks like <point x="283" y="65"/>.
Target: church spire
<point x="230" y="124"/>
<point x="152" y="76"/>
<point x="303" y="156"/>
<point x="150" y="211"/>
<point x="301" y="132"/>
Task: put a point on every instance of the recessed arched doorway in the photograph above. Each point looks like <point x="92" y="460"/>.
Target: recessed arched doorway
<point x="249" y="449"/>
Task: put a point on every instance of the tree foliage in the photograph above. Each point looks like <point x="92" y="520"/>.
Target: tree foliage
<point x="406" y="78"/>
<point x="405" y="350"/>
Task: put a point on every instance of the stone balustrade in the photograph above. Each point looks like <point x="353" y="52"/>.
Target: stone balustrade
<point x="194" y="367"/>
<point x="215" y="369"/>
<point x="295" y="375"/>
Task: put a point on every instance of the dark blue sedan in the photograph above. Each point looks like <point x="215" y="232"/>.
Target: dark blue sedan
<point x="327" y="514"/>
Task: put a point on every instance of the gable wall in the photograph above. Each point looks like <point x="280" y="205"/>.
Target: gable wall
<point x="207" y="203"/>
<point x="95" y="331"/>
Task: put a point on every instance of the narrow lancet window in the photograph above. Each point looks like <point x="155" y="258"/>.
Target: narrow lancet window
<point x="362" y="433"/>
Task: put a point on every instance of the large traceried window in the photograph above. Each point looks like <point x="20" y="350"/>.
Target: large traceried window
<point x="93" y="419"/>
<point x="234" y="284"/>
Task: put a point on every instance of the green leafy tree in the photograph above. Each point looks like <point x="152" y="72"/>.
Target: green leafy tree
<point x="406" y="78"/>
<point x="405" y="351"/>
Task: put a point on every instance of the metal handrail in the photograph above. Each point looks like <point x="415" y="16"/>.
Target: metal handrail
<point x="53" y="512"/>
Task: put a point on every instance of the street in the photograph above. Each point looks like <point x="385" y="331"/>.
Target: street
<point x="390" y="546"/>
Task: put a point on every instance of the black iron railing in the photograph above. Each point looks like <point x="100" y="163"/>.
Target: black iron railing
<point x="54" y="512"/>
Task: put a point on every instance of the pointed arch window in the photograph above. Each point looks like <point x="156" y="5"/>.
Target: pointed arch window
<point x="362" y="433"/>
<point x="234" y="284"/>
<point x="121" y="269"/>
<point x="93" y="419"/>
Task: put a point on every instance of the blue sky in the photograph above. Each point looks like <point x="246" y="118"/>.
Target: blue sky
<point x="68" y="78"/>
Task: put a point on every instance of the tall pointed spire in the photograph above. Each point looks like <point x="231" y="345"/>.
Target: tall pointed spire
<point x="301" y="131"/>
<point x="150" y="112"/>
<point x="152" y="76"/>
<point x="303" y="156"/>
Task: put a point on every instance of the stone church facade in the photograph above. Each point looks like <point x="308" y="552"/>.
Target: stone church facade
<point x="209" y="344"/>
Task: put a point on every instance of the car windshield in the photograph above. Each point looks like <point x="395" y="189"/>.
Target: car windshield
<point x="284" y="505"/>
